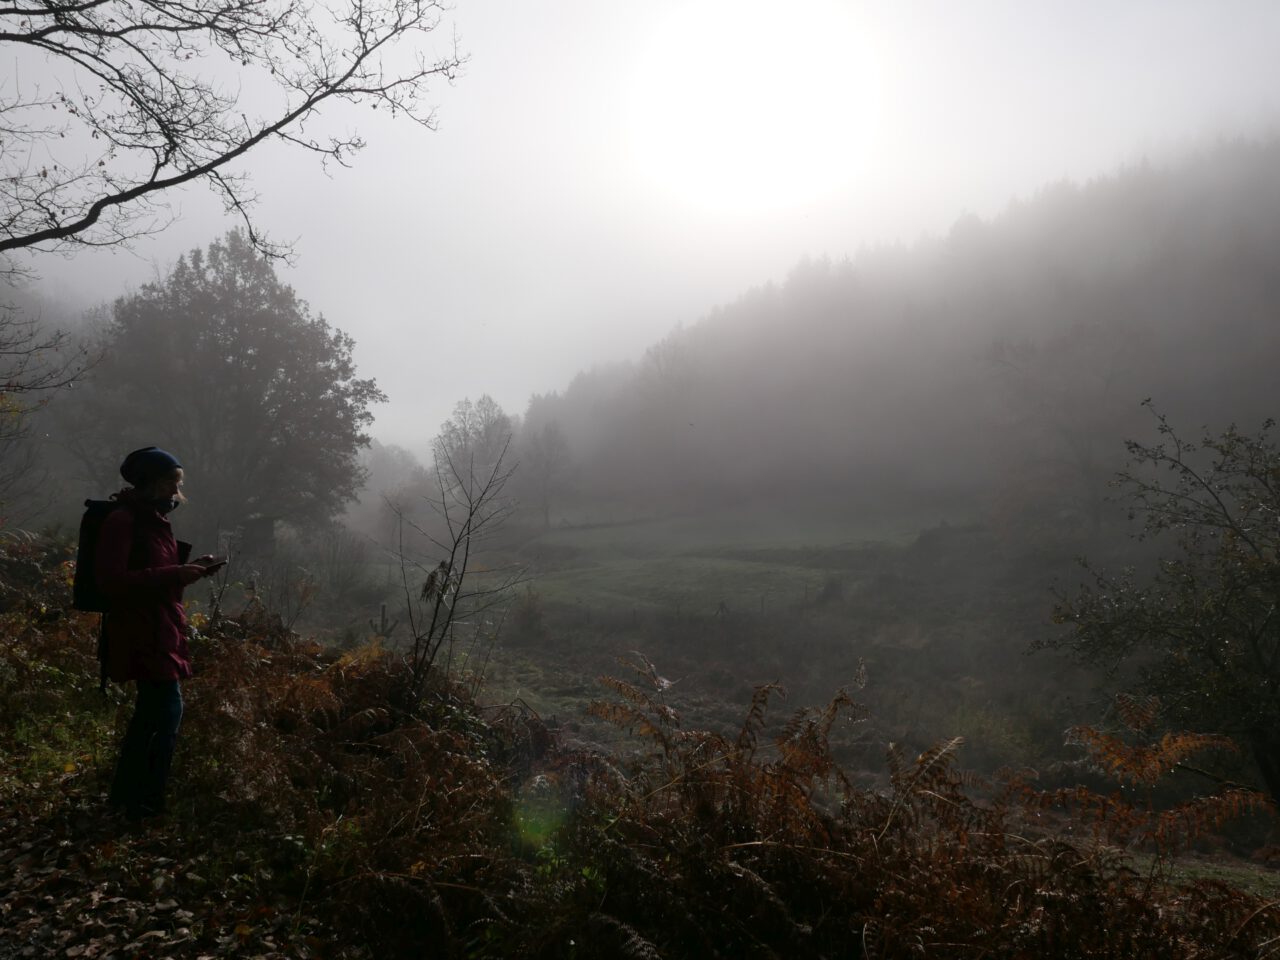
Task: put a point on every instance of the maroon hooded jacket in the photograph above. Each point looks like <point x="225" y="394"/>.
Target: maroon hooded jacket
<point x="137" y="566"/>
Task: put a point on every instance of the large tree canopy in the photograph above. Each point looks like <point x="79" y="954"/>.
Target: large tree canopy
<point x="112" y="102"/>
<point x="224" y="364"/>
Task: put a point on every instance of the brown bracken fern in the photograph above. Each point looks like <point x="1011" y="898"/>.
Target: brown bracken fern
<point x="409" y="821"/>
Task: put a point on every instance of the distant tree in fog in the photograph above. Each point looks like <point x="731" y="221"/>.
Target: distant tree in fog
<point x="391" y="469"/>
<point x="1065" y="398"/>
<point x="139" y="98"/>
<point x="223" y="364"/>
<point x="544" y="466"/>
<point x="34" y="362"/>
<point x="474" y="438"/>
<point x="395" y="480"/>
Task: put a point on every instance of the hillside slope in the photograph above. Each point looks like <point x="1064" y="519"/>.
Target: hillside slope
<point x="1001" y="365"/>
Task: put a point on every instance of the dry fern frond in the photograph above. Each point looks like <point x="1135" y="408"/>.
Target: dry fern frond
<point x="362" y="658"/>
<point x="1175" y="829"/>
<point x="633" y="694"/>
<point x="1138" y="713"/>
<point x="805" y="743"/>
<point x="935" y="762"/>
<point x="754" y="721"/>
<point x="1111" y="817"/>
<point x="643" y="667"/>
<point x="626" y="717"/>
<point x="307" y="695"/>
<point x="895" y="761"/>
<point x="761" y="889"/>
<point x="1143" y="764"/>
<point x="625" y="941"/>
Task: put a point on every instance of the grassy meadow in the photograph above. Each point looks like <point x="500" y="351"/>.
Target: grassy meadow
<point x="929" y="627"/>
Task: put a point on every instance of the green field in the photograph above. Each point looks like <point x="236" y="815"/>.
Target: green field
<point x="940" y="618"/>
<point x="750" y="561"/>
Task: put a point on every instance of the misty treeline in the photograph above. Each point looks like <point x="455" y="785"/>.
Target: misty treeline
<point x="998" y="368"/>
<point x="993" y="372"/>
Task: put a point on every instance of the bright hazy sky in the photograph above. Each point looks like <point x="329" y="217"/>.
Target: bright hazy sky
<point x="604" y="170"/>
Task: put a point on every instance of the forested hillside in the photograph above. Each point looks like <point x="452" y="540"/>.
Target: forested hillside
<point x="997" y="367"/>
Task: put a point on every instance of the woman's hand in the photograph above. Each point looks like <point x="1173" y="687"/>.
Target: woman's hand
<point x="189" y="573"/>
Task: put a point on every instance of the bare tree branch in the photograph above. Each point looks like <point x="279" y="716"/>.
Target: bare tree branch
<point x="469" y="505"/>
<point x="136" y="112"/>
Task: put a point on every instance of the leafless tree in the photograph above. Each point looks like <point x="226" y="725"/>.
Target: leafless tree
<point x="441" y="590"/>
<point x="34" y="362"/>
<point x="113" y="102"/>
<point x="476" y="436"/>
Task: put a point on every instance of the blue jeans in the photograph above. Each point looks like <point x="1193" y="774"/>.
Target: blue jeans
<point x="147" y="751"/>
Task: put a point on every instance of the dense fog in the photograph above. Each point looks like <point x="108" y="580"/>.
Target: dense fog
<point x="989" y="374"/>
<point x="710" y="478"/>
<point x="993" y="372"/>
<point x="887" y="460"/>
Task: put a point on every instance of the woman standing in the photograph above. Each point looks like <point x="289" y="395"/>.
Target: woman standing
<point x="143" y="569"/>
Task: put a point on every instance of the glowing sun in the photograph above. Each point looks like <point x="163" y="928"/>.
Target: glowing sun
<point x="744" y="107"/>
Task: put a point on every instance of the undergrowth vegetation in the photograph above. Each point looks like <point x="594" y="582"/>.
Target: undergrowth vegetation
<point x="322" y="808"/>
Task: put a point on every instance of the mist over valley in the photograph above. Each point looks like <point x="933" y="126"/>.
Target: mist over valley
<point x="624" y="535"/>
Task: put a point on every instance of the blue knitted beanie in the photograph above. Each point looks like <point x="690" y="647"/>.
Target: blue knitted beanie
<point x="143" y="466"/>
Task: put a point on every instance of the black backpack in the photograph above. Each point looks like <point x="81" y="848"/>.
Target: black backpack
<point x="86" y="594"/>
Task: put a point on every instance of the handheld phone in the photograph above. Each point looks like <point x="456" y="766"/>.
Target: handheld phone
<point x="210" y="564"/>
